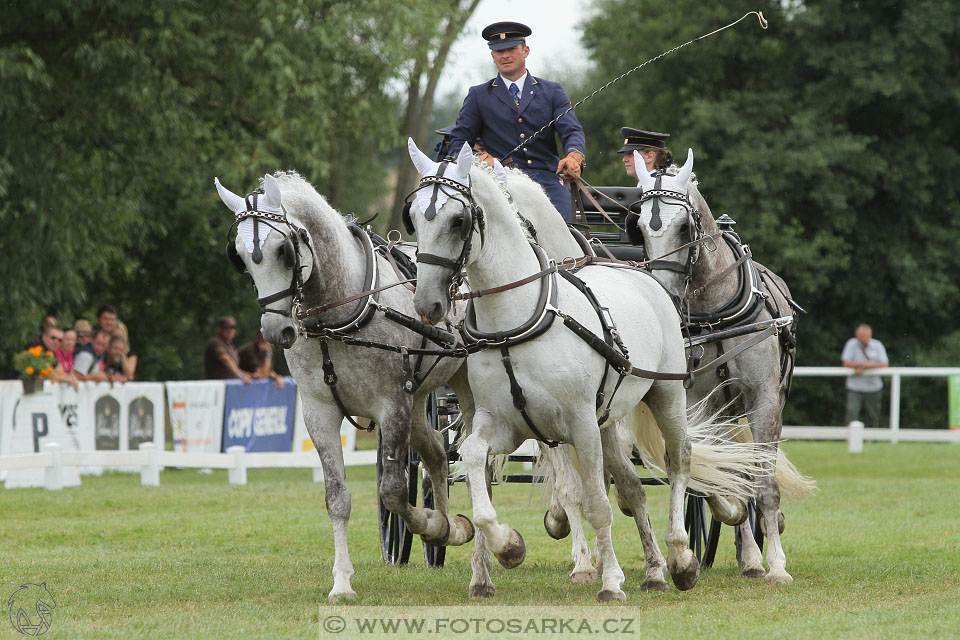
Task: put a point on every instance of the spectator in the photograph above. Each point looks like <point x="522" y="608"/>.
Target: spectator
<point x="107" y="320"/>
<point x="115" y="361"/>
<point x="220" y="359"/>
<point x="65" y="352"/>
<point x="863" y="392"/>
<point x="88" y="365"/>
<point x="256" y="358"/>
<point x="84" y="336"/>
<point x="50" y="339"/>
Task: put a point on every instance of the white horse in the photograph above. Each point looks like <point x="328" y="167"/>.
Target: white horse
<point x="547" y="387"/>
<point x="717" y="294"/>
<point x="297" y="248"/>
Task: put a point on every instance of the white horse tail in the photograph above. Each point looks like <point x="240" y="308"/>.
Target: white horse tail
<point x="792" y="483"/>
<point x="719" y="464"/>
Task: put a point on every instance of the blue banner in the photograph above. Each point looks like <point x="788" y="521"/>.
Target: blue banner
<point x="258" y="416"/>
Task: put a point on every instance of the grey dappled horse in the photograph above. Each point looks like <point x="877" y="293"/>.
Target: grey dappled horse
<point x="293" y="243"/>
<point x="721" y="294"/>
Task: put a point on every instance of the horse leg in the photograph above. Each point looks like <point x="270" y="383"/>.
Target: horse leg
<point x="771" y="520"/>
<point x="568" y="495"/>
<point x="323" y="425"/>
<point x="505" y="543"/>
<point x="630" y="490"/>
<point x="667" y="402"/>
<point x="597" y="505"/>
<point x="432" y="525"/>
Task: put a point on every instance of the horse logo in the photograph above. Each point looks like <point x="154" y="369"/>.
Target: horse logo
<point x="30" y="609"/>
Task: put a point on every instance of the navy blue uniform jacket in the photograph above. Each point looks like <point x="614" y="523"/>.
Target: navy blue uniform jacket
<point x="488" y="113"/>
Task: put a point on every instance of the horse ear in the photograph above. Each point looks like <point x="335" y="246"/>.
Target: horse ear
<point x="234" y="202"/>
<point x="500" y="171"/>
<point x="271" y="192"/>
<point x="464" y="161"/>
<point x="686" y="170"/>
<point x="425" y="166"/>
<point x="644" y="180"/>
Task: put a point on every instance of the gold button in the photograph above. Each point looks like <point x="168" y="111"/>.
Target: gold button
<point x="529" y="161"/>
<point x="524" y="148"/>
<point x="523" y="135"/>
<point x="519" y="119"/>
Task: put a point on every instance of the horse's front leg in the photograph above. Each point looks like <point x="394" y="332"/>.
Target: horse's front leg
<point x="504" y="542"/>
<point x="630" y="490"/>
<point x="433" y="525"/>
<point x="597" y="505"/>
<point x="667" y="402"/>
<point x="323" y="424"/>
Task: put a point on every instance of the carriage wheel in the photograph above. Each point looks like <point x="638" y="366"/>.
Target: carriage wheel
<point x="703" y="537"/>
<point x="753" y="516"/>
<point x="433" y="556"/>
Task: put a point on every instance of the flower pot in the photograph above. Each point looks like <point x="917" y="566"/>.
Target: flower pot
<point x="32" y="385"/>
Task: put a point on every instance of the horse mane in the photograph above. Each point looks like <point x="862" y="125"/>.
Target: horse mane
<point x="305" y="205"/>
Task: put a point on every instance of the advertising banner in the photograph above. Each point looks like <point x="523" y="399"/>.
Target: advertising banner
<point x="36" y="421"/>
<point x="259" y="416"/>
<point x="302" y="441"/>
<point x="196" y="415"/>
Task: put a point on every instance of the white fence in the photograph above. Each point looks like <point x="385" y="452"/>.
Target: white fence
<point x="894" y="433"/>
<point x="56" y="464"/>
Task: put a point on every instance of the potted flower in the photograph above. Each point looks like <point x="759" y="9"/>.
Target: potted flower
<point x="34" y="366"/>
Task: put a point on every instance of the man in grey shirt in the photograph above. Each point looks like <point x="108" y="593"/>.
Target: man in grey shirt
<point x="863" y="392"/>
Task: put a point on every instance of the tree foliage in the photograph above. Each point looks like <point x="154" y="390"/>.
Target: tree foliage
<point x="123" y="113"/>
<point x="830" y="138"/>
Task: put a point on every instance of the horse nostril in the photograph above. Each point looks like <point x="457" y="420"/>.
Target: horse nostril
<point x="287" y="337"/>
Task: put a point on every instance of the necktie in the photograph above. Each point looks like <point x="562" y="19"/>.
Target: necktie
<point x="515" y="92"/>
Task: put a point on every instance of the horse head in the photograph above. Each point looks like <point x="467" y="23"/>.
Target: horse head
<point x="444" y="215"/>
<point x="667" y="221"/>
<point x="274" y="251"/>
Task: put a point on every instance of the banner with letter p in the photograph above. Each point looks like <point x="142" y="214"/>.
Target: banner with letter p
<point x="258" y="416"/>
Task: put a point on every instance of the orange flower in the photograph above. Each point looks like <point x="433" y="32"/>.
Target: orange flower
<point x="47" y="371"/>
<point x="29" y="371"/>
<point x="49" y="353"/>
<point x="36" y="351"/>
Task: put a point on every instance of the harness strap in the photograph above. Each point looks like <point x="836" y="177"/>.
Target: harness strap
<point x="314" y="311"/>
<point x="330" y="379"/>
<point x="505" y="287"/>
<point x="516" y="391"/>
<point x="723" y="274"/>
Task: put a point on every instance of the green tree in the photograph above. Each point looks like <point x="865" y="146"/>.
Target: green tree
<point x="119" y="115"/>
<point x="829" y="137"/>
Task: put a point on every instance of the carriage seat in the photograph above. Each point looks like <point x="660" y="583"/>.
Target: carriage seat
<point x="627" y="252"/>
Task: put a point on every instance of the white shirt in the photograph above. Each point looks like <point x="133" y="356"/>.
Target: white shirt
<point x="519" y="82"/>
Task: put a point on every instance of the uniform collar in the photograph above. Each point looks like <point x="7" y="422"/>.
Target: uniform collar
<point x="520" y="82"/>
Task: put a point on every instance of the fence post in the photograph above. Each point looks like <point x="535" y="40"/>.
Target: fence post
<point x="53" y="475"/>
<point x="895" y="408"/>
<point x="150" y="472"/>
<point x="238" y="474"/>
<point x="855" y="437"/>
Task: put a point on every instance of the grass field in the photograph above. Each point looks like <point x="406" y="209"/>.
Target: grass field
<point x="876" y="554"/>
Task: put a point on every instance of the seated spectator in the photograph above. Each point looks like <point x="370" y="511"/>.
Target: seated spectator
<point x="130" y="359"/>
<point x="84" y="335"/>
<point x="256" y="358"/>
<point x="88" y="365"/>
<point x="220" y="359"/>
<point x="115" y="361"/>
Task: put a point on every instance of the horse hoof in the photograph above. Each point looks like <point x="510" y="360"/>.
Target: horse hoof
<point x="556" y="528"/>
<point x="462" y="523"/>
<point x="442" y="538"/>
<point x="655" y="585"/>
<point x="608" y="595"/>
<point x="685" y="580"/>
<point x="342" y="595"/>
<point x="482" y="591"/>
<point x="584" y="577"/>
<point x="514" y="553"/>
<point x="753" y="573"/>
<point x="779" y="578"/>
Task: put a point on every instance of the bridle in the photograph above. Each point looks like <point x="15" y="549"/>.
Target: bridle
<point x="695" y="228"/>
<point x="473" y="219"/>
<point x="290" y="251"/>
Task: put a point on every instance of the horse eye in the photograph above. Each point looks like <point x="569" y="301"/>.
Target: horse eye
<point x="456" y="222"/>
<point x="684" y="228"/>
